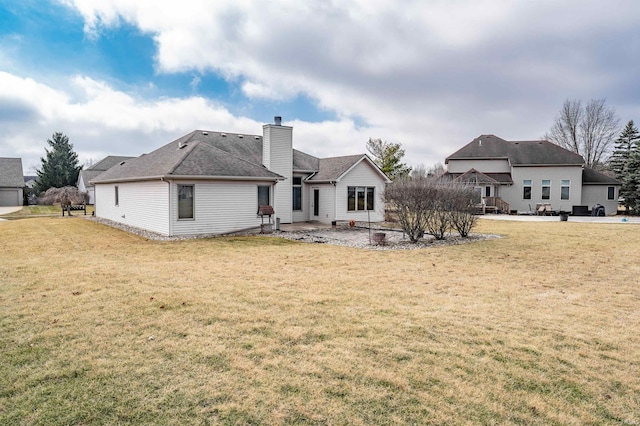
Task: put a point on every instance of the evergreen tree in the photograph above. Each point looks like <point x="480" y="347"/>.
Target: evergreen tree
<point x="388" y="156"/>
<point x="630" y="189"/>
<point x="60" y="167"/>
<point x="625" y="164"/>
<point x="628" y="140"/>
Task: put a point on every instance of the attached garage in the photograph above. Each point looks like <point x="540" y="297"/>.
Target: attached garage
<point x="11" y="182"/>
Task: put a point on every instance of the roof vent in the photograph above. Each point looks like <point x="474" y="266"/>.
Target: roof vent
<point x="257" y="138"/>
<point x="121" y="163"/>
<point x="205" y="133"/>
<point x="224" y="135"/>
<point x="480" y="142"/>
<point x="241" y="136"/>
<point x="278" y="120"/>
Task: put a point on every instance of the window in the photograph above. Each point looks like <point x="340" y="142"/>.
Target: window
<point x="487" y="191"/>
<point x="564" y="189"/>
<point x="264" y="199"/>
<point x="526" y="189"/>
<point x="546" y="189"/>
<point x="185" y="201"/>
<point x="360" y="198"/>
<point x="611" y="193"/>
<point x="297" y="193"/>
<point x="117" y="196"/>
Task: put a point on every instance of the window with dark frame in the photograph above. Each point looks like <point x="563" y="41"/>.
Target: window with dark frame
<point x="185" y="202"/>
<point x="565" y="186"/>
<point x="360" y="198"/>
<point x="526" y="189"/>
<point x="264" y="197"/>
<point x="546" y="189"/>
<point x="117" y="196"/>
<point x="297" y="193"/>
<point x="611" y="193"/>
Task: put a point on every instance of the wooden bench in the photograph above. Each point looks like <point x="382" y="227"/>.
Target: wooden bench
<point x="74" y="207"/>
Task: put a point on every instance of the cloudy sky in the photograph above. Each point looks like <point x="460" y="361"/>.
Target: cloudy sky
<point x="124" y="77"/>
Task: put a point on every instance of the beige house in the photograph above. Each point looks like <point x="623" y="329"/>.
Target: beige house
<point x="210" y="182"/>
<point x="518" y="176"/>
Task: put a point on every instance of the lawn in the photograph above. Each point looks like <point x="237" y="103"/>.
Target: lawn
<point x="103" y="327"/>
<point x="42" y="210"/>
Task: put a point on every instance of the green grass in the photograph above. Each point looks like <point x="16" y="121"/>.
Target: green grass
<point x="39" y="210"/>
<point x="103" y="327"/>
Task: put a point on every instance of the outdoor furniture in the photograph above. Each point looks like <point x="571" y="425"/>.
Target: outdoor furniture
<point x="74" y="207"/>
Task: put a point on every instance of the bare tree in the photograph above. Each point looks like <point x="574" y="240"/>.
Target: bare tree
<point x="435" y="171"/>
<point x="589" y="131"/>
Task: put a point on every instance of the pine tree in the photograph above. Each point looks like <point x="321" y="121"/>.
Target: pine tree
<point x="625" y="164"/>
<point x="60" y="167"/>
<point x="630" y="189"/>
<point x="628" y="140"/>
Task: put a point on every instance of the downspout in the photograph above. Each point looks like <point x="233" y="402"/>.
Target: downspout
<point x="170" y="182"/>
<point x="335" y="201"/>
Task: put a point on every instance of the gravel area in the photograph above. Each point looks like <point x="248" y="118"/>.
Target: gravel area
<point x="357" y="237"/>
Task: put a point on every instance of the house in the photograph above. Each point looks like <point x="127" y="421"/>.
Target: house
<point x="215" y="182"/>
<point x="518" y="176"/>
<point x="11" y="182"/>
<point x="90" y="173"/>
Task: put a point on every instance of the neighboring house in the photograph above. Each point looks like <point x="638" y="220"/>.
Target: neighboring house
<point x="90" y="173"/>
<point x="30" y="192"/>
<point x="214" y="183"/>
<point x="11" y="182"/>
<point x="517" y="176"/>
<point x="30" y="181"/>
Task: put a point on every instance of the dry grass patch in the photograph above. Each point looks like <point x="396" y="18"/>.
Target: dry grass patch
<point x="103" y="327"/>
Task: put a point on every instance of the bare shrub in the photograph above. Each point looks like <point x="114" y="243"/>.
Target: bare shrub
<point x="66" y="196"/>
<point x="425" y="204"/>
<point x="462" y="216"/>
<point x="410" y="199"/>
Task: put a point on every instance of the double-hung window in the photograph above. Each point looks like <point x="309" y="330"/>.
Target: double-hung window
<point x="546" y="189"/>
<point x="564" y="189"/>
<point x="526" y="189"/>
<point x="264" y="198"/>
<point x="611" y="193"/>
<point x="185" y="202"/>
<point x="360" y="198"/>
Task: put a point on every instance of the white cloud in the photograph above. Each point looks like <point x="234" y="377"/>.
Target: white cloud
<point x="101" y="121"/>
<point x="431" y="75"/>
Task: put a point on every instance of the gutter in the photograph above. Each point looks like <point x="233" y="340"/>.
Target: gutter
<point x="187" y="177"/>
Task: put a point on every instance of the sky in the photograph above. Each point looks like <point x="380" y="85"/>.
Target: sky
<point x="124" y="77"/>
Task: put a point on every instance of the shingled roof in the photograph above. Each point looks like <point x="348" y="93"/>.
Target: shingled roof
<point x="11" y="173"/>
<point x="209" y="155"/>
<point x="90" y="173"/>
<point x="594" y="177"/>
<point x="519" y="153"/>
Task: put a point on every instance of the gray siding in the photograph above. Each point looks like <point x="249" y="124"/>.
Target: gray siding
<point x="484" y="166"/>
<point x="278" y="157"/>
<point x="361" y="175"/>
<point x="141" y="204"/>
<point x="597" y="194"/>
<point x="219" y="207"/>
<point x="514" y="194"/>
